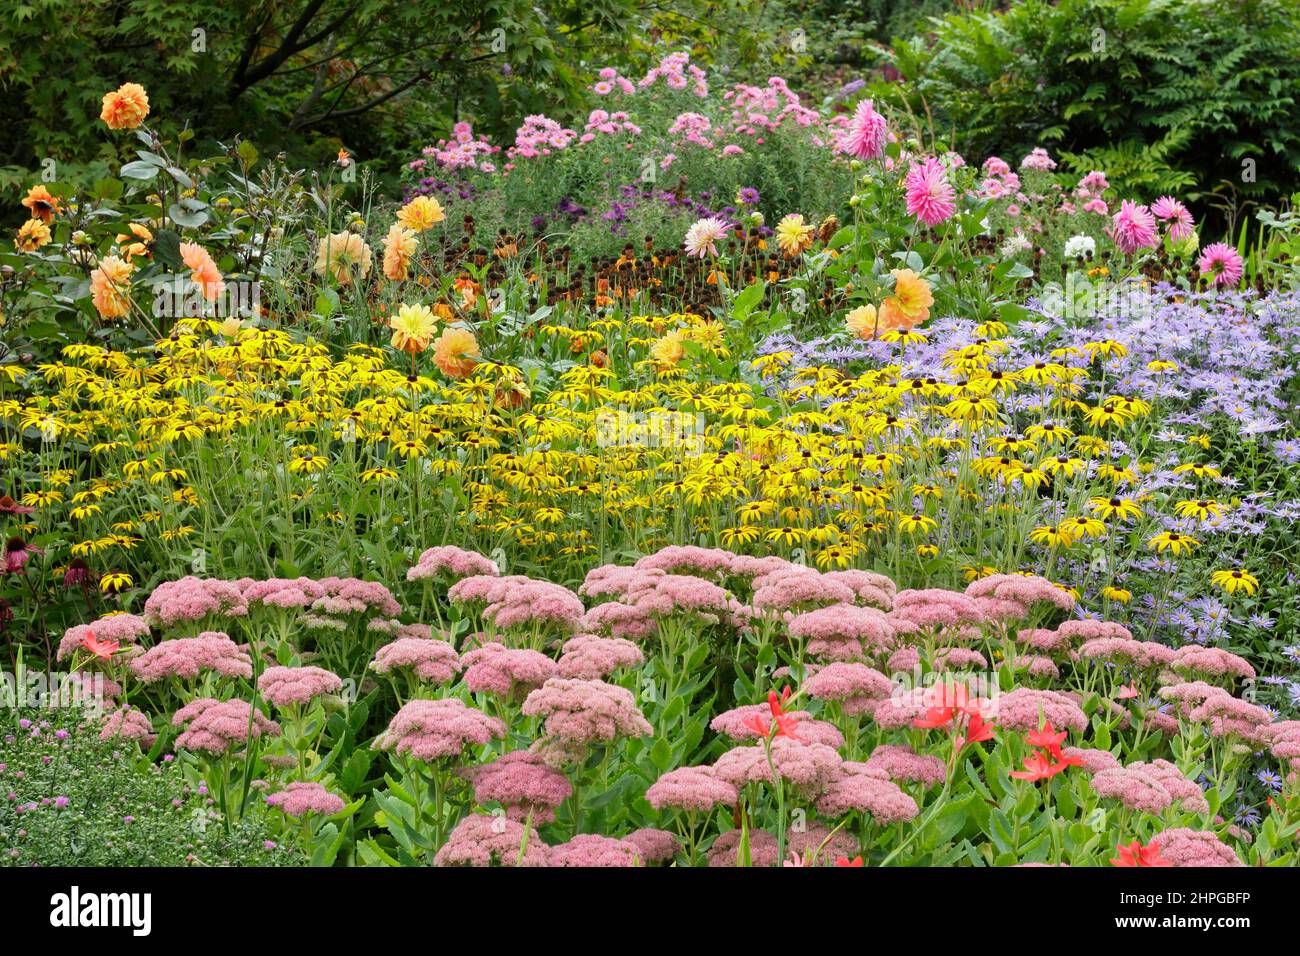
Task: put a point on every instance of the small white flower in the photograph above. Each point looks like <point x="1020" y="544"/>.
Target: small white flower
<point x="1077" y="246"/>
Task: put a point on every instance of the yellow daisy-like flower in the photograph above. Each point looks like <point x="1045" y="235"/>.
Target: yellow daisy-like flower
<point x="115" y="582"/>
<point x="916" y="523"/>
<point x="1235" y="580"/>
<point x="927" y="550"/>
<point x="1108" y="508"/>
<point x="1173" y="541"/>
<point x="1118" y="595"/>
<point x="786" y="535"/>
<point x="1202" y="508"/>
<point x="1052" y="535"/>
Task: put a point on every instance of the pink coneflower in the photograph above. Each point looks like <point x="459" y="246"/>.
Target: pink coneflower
<point x="865" y="136"/>
<point x="930" y="197"/>
<point x="1169" y="209"/>
<point x="703" y="235"/>
<point x="1133" y="227"/>
<point x="1221" y="263"/>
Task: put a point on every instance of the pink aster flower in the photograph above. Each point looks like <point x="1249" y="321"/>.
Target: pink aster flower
<point x="1221" y="263"/>
<point x="930" y="197"/>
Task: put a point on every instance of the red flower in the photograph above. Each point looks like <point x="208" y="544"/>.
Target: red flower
<point x="781" y="725"/>
<point x="1047" y="739"/>
<point x="101" y="649"/>
<point x="1135" y="854"/>
<point x="1038" y="767"/>
<point x="845" y="861"/>
<point x="977" y="731"/>
<point x="946" y="702"/>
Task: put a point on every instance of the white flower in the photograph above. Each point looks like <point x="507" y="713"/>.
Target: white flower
<point x="1015" y="244"/>
<point x="1077" y="246"/>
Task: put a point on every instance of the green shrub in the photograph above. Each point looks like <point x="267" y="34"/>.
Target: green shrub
<point x="1164" y="95"/>
<point x="68" y="799"/>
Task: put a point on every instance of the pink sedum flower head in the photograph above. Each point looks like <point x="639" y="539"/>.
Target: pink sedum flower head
<point x="511" y="674"/>
<point x="1182" y="846"/>
<point x="428" y="659"/>
<point x="586" y="711"/>
<point x="523" y="783"/>
<point x="451" y="563"/>
<point x="592" y="850"/>
<point x="301" y="798"/>
<point x="127" y="723"/>
<point x="293" y="686"/>
<point x="188" y="657"/>
<point x="693" y="789"/>
<point x="438" y="729"/>
<point x="192" y="599"/>
<point x="215" y="726"/>
<point x="114" y="628"/>
<point x="589" y="657"/>
<point x="482" y="840"/>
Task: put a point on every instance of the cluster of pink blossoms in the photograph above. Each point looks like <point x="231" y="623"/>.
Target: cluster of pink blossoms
<point x="295" y="686"/>
<point x="123" y="629"/>
<point x="520" y="601"/>
<point x="215" y="726"/>
<point x="428" y="659"/>
<point x="438" y="729"/>
<point x="301" y="798"/>
<point x="190" y="599"/>
<point x="451" y="563"/>
<point x="187" y="657"/>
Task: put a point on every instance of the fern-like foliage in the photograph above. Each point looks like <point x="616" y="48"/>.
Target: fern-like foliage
<point x="1164" y="95"/>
